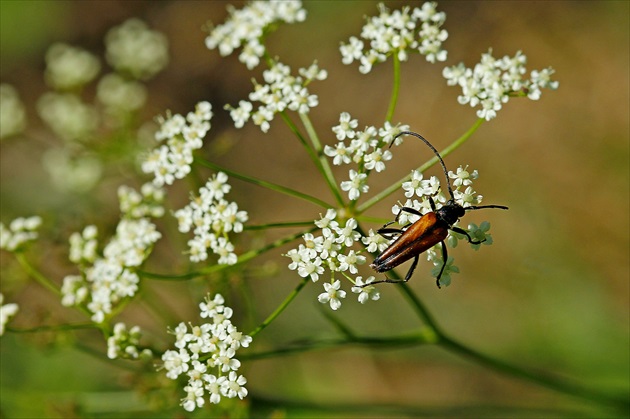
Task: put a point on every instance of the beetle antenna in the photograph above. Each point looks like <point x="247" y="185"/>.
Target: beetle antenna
<point x="415" y="134"/>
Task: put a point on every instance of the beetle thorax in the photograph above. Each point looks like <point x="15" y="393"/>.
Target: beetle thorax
<point x="450" y="212"/>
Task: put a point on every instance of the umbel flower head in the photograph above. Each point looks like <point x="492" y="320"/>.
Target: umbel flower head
<point x="206" y="355"/>
<point x="398" y="32"/>
<point x="491" y="82"/>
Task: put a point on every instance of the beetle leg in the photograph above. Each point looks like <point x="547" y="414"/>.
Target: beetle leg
<point x="432" y="203"/>
<point x="412" y="268"/>
<point x="444" y="259"/>
<point x="465" y="233"/>
<point x="389" y="233"/>
<point x="409" y="210"/>
<point x="397" y="281"/>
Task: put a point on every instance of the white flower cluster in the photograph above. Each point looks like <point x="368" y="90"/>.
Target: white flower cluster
<point x="182" y="135"/>
<point x="398" y="32"/>
<point x="12" y="112"/>
<point x="282" y="91"/>
<point x="110" y="279"/>
<point x="134" y="49"/>
<point x="464" y="194"/>
<point x="205" y="354"/>
<point x="212" y="218"/>
<point x="332" y="250"/>
<point x="20" y="232"/>
<point x="247" y="26"/>
<point x="146" y="203"/>
<point x="69" y="67"/>
<point x="120" y="96"/>
<point x="493" y="81"/>
<point x="67" y="116"/>
<point x="123" y="343"/>
<point x="367" y="149"/>
<point x="6" y="312"/>
<point x="71" y="172"/>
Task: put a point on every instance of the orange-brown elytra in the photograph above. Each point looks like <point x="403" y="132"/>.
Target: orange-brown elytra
<point x="431" y="229"/>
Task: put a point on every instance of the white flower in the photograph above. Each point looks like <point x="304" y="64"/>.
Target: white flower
<point x="20" y="232"/>
<point x="356" y="185"/>
<point x="135" y="49"/>
<point x="211" y="217"/>
<point x="216" y="342"/>
<point x="12" y="112"/>
<point x="69" y="67"/>
<point x="182" y="136"/>
<point x="332" y="295"/>
<point x="68" y="117"/>
<point x="493" y="81"/>
<point x="397" y="33"/>
<point x="366" y="292"/>
<point x="6" y="311"/>
<point x="414" y="186"/>
<point x="346" y="127"/>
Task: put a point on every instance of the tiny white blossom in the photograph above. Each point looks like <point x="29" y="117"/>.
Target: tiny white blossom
<point x="6" y="312"/>
<point x="332" y="294"/>
<point x="356" y="185"/>
<point x="366" y="292"/>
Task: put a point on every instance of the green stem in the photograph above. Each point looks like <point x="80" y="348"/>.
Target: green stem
<point x="280" y="308"/>
<point x="445" y="152"/>
<point x="309" y="150"/>
<point x="537" y="378"/>
<point x="36" y="275"/>
<point x="395" y="90"/>
<point x="265" y="184"/>
<point x="323" y="161"/>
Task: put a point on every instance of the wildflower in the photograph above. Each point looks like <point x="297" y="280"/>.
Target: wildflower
<point x="83" y="246"/>
<point x="68" y="67"/>
<point x="6" y="312"/>
<point x="123" y="343"/>
<point x="493" y="81"/>
<point x="181" y="135"/>
<point x="68" y="117"/>
<point x="72" y="171"/>
<point x="356" y="185"/>
<point x="20" y="232"/>
<point x="134" y="49"/>
<point x="12" y="113"/>
<point x="366" y="292"/>
<point x="397" y="33"/>
<point x="282" y="91"/>
<point x="120" y="96"/>
<point x="211" y="218"/>
<point x="332" y="295"/>
<point x="146" y="203"/>
<point x="204" y="353"/>
<point x="247" y="26"/>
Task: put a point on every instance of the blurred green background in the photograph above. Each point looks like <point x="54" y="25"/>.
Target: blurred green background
<point x="552" y="293"/>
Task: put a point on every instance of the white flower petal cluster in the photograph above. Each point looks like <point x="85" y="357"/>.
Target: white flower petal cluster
<point x="146" y="203"/>
<point x="398" y="32"/>
<point x="69" y="67"/>
<point x="206" y="355"/>
<point x="246" y="27"/>
<point x="492" y="82"/>
<point x="281" y="92"/>
<point x="212" y="218"/>
<point x="368" y="149"/>
<point x="68" y="117"/>
<point x="108" y="279"/>
<point x="112" y="277"/>
<point x="119" y="95"/>
<point x="465" y="195"/>
<point x="6" y="312"/>
<point x="12" y="112"/>
<point x="181" y="135"/>
<point x="134" y="49"/>
<point x="332" y="250"/>
<point x="19" y="233"/>
<point x="123" y="343"/>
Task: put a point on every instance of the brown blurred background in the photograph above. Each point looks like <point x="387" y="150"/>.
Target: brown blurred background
<point x="552" y="293"/>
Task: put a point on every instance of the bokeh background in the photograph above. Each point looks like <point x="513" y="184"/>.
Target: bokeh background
<point x="552" y="293"/>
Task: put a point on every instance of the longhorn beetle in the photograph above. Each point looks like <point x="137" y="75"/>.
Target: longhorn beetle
<point x="431" y="229"/>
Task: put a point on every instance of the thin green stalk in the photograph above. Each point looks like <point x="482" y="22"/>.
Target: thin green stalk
<point x="245" y="257"/>
<point x="280" y="308"/>
<point x="445" y="152"/>
<point x="269" y="185"/>
<point x="565" y="387"/>
<point x="395" y="90"/>
<point x="323" y="161"/>
<point x="36" y="275"/>
<point x="309" y="150"/>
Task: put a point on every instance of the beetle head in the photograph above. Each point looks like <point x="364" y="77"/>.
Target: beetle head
<point x="450" y="212"/>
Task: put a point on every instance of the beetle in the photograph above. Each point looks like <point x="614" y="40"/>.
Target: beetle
<point x="431" y="229"/>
